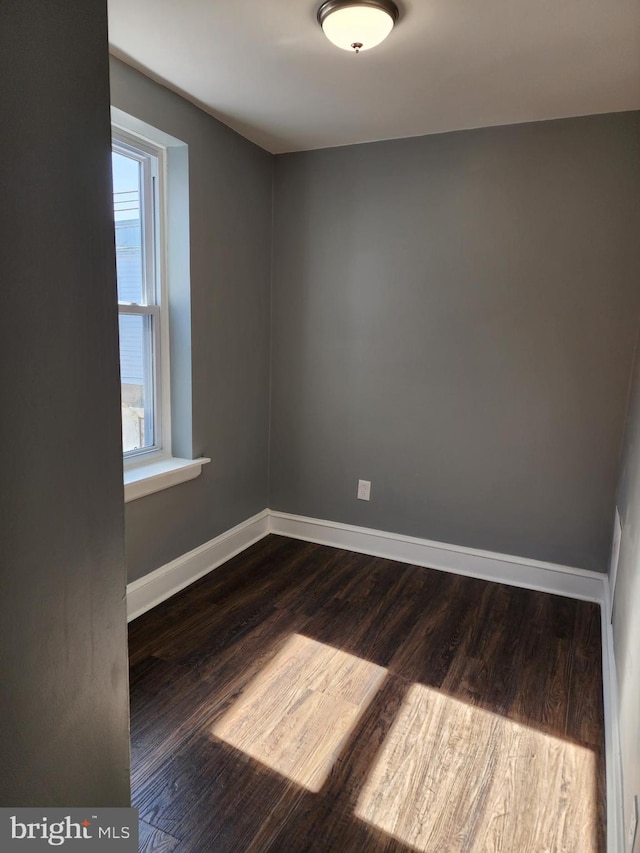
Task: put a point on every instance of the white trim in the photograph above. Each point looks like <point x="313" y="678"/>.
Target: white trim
<point x="146" y="476"/>
<point x="154" y="301"/>
<point x="502" y="568"/>
<point x="613" y="753"/>
<point x="152" y="589"/>
<point x="141" y="130"/>
<point x="615" y="557"/>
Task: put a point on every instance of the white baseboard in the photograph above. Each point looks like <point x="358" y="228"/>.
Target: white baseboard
<point x="487" y="565"/>
<point x="615" y="796"/>
<point x="150" y="590"/>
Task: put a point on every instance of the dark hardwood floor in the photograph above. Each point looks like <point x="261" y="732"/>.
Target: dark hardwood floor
<point x="303" y="698"/>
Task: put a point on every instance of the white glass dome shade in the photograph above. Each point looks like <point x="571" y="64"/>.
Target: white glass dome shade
<point x="357" y="26"/>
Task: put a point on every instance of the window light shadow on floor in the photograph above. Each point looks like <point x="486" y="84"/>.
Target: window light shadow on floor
<point x="449" y="775"/>
<point x="347" y="703"/>
<point x="298" y="713"/>
<point x="447" y="767"/>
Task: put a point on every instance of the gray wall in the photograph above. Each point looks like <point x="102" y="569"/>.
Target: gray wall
<point x="230" y="185"/>
<point x="454" y="319"/>
<point x="626" y="613"/>
<point x="64" y="706"/>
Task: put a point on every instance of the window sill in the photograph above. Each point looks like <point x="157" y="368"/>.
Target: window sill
<point x="153" y="475"/>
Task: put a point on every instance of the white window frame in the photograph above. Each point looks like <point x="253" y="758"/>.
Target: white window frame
<point x="152" y="158"/>
<point x="154" y="468"/>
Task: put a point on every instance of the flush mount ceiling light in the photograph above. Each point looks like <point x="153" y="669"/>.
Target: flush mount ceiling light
<point x="357" y="25"/>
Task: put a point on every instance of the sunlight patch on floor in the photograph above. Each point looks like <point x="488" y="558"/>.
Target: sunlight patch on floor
<point x="451" y="776"/>
<point x="298" y="713"/>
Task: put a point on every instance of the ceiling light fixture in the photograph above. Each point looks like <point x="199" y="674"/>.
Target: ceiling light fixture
<point x="357" y="24"/>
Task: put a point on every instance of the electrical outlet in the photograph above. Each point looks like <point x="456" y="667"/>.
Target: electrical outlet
<point x="632" y="831"/>
<point x="364" y="490"/>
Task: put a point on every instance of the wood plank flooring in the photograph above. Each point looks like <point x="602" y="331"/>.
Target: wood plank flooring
<point x="304" y="698"/>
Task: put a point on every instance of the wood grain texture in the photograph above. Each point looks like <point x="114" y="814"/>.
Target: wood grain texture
<point x="296" y="716"/>
<point x="304" y="698"/>
<point x="152" y="840"/>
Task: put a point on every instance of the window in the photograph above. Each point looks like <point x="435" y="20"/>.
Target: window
<point x="151" y="213"/>
<point x="136" y="203"/>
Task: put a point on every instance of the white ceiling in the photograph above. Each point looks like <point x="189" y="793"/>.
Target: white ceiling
<point x="265" y="68"/>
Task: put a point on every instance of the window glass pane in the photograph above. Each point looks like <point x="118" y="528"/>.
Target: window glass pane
<point x="136" y="376"/>
<point x="126" y="210"/>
